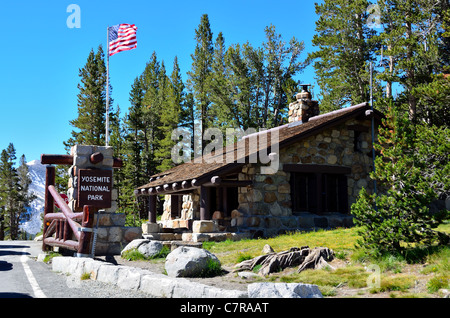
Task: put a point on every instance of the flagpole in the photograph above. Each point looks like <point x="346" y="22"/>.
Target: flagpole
<point x="107" y="88"/>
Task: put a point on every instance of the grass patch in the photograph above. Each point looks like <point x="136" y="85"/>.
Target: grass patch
<point x="438" y="282"/>
<point x="243" y="257"/>
<point x="340" y="241"/>
<point x="352" y="276"/>
<point x="397" y="272"/>
<point x="213" y="268"/>
<point x="85" y="276"/>
<point x="394" y="283"/>
<point x="49" y="256"/>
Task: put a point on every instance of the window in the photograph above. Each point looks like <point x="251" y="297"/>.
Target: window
<point x="319" y="192"/>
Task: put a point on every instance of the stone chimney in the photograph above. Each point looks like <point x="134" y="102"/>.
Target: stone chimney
<point x="304" y="108"/>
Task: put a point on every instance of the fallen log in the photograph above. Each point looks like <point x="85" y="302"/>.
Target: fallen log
<point x="303" y="257"/>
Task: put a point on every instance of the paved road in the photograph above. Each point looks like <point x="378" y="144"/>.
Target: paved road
<point x="21" y="276"/>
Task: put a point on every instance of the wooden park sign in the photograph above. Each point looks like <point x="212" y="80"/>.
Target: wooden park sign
<point x="94" y="188"/>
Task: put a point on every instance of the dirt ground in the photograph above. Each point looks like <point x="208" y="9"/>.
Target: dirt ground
<point x="231" y="280"/>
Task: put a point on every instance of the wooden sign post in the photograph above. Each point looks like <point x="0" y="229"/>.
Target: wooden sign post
<point x="95" y="188"/>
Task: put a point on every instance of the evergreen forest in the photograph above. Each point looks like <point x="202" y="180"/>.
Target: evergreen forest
<point x="403" y="45"/>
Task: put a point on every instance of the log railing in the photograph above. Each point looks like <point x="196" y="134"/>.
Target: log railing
<point x="63" y="229"/>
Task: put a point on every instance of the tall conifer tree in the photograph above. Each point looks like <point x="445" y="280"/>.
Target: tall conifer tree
<point x="345" y="48"/>
<point x="90" y="123"/>
<point x="200" y="74"/>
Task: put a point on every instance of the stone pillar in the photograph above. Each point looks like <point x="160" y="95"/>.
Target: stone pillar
<point x="89" y="157"/>
<point x="112" y="235"/>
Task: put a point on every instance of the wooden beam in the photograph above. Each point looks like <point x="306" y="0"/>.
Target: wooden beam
<point x="316" y="169"/>
<point x="360" y="128"/>
<point x="96" y="157"/>
<point x="56" y="159"/>
<point x="68" y="160"/>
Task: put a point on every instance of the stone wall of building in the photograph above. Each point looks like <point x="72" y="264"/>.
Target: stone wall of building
<point x="265" y="208"/>
<point x="112" y="235"/>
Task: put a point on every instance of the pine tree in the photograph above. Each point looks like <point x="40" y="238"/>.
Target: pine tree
<point x="150" y="114"/>
<point x="200" y="74"/>
<point x="14" y="195"/>
<point x="90" y="123"/>
<point x="24" y="196"/>
<point x="133" y="135"/>
<point x="168" y="117"/>
<point x="409" y="178"/>
<point x="220" y="88"/>
<point x="172" y="100"/>
<point x="410" y="40"/>
<point x="345" y="48"/>
<point x="242" y="88"/>
<point x="9" y="190"/>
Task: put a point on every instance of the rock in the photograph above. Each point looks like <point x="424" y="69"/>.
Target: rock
<point x="284" y="188"/>
<point x="187" y="261"/>
<point x="134" y="244"/>
<point x="146" y="247"/>
<point x="283" y="290"/>
<point x="270" y="197"/>
<point x="444" y="292"/>
<point x="203" y="227"/>
<point x="150" y="249"/>
<point x="236" y="214"/>
<point x="218" y="215"/>
<point x="248" y="275"/>
<point x="267" y="249"/>
<point x="150" y="228"/>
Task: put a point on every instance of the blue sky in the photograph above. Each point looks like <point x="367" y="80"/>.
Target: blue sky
<point x="41" y="56"/>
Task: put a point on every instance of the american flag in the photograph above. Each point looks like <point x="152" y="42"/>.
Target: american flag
<point x="122" y="37"/>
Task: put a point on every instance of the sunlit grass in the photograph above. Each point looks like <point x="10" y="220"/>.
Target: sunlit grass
<point x="431" y="261"/>
<point x="339" y="240"/>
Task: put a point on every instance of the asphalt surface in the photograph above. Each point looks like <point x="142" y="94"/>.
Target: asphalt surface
<point x="22" y="276"/>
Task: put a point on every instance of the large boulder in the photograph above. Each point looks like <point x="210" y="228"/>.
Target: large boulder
<point x="283" y="290"/>
<point x="186" y="261"/>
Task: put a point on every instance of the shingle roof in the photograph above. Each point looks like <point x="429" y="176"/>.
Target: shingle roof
<point x="203" y="171"/>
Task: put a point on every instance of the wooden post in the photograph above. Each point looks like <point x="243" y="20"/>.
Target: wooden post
<point x="204" y="204"/>
<point x="226" y="213"/>
<point x="86" y="231"/>
<point x="49" y="202"/>
<point x="66" y="231"/>
<point x="152" y="209"/>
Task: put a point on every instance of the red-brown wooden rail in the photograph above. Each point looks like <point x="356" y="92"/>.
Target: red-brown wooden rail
<point x="62" y="229"/>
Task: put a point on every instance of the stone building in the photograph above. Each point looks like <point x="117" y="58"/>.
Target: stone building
<point x="300" y="176"/>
